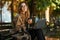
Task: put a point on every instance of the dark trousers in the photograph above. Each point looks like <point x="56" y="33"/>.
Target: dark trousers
<point x="36" y="33"/>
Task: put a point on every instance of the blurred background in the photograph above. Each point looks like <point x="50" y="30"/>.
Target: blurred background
<point x="48" y="9"/>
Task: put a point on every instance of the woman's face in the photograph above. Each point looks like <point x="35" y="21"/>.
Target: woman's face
<point x="24" y="7"/>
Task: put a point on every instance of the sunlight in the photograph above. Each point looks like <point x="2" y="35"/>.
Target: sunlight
<point x="47" y="14"/>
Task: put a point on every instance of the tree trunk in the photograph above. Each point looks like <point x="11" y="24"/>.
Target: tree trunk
<point x="47" y="14"/>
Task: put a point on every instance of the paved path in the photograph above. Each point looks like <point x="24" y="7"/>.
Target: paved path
<point x="50" y="38"/>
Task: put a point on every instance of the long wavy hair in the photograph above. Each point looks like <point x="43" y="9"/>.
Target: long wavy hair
<point x="27" y="13"/>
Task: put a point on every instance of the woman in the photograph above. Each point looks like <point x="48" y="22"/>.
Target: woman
<point x="20" y="20"/>
<point x="23" y="16"/>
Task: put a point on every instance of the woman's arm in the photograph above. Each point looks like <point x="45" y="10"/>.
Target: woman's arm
<point x="18" y="23"/>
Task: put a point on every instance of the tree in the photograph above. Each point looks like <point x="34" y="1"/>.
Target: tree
<point x="43" y="5"/>
<point x="46" y="5"/>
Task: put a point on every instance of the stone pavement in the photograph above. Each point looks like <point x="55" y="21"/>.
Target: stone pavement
<point x="51" y="38"/>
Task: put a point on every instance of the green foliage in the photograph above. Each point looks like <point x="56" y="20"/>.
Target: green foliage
<point x="42" y="4"/>
<point x="57" y="3"/>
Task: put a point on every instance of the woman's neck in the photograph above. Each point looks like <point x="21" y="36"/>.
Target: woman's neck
<point x="22" y="13"/>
